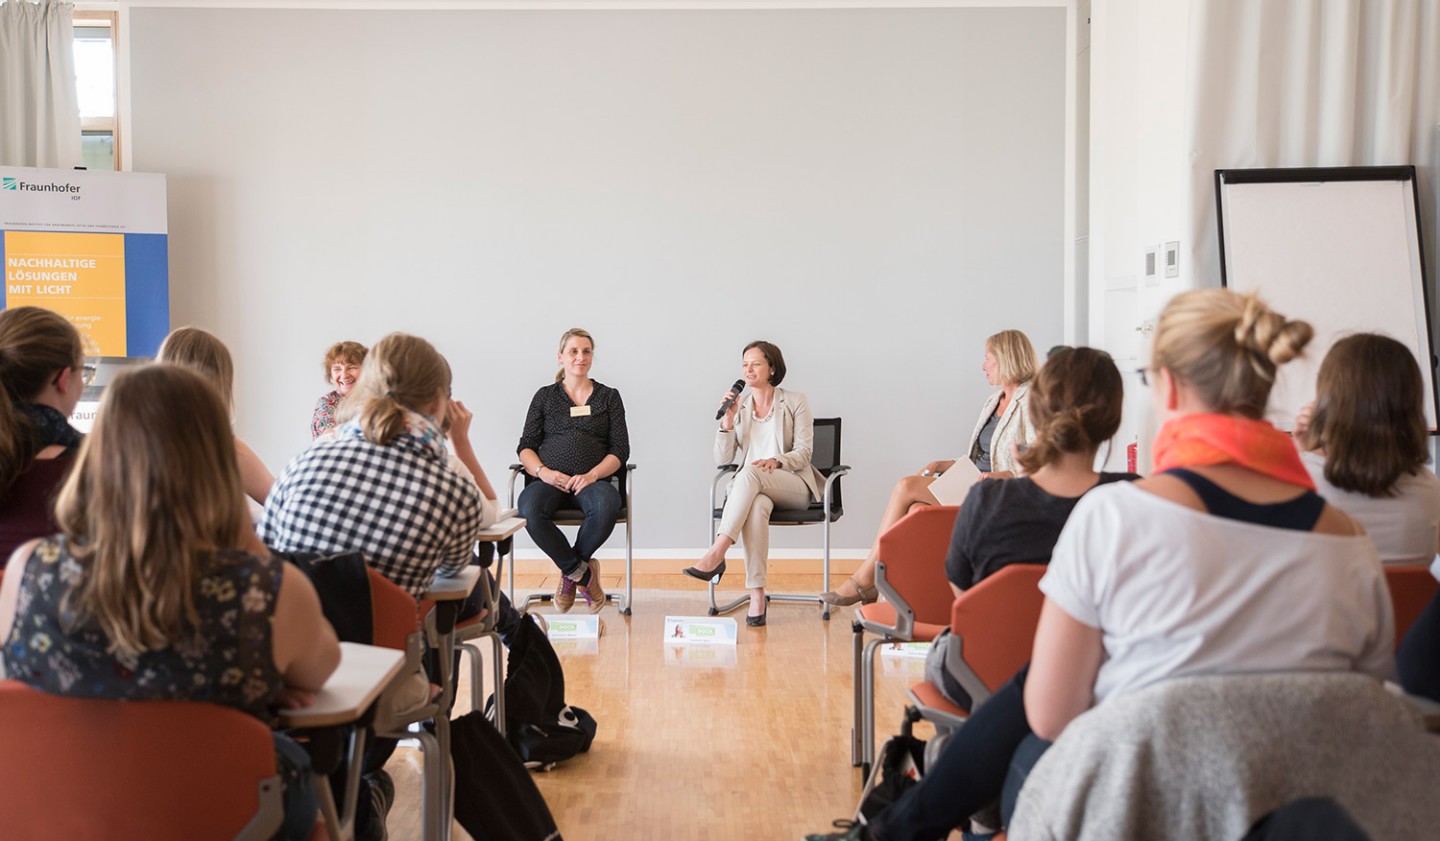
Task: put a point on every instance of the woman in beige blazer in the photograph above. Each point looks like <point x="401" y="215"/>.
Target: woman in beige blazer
<point x="773" y="432"/>
<point x="1002" y="429"/>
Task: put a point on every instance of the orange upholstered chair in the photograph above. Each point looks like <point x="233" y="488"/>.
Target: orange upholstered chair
<point x="995" y="622"/>
<point x="158" y="770"/>
<point x="911" y="576"/>
<point x="1411" y="586"/>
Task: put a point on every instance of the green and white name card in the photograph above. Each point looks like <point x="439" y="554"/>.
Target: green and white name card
<point x="700" y="630"/>
<point x="578" y="627"/>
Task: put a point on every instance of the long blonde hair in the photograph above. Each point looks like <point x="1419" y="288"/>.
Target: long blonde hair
<point x="35" y="344"/>
<point x="572" y="333"/>
<point x="155" y="494"/>
<point x="201" y="351"/>
<point x="401" y="373"/>
<point x="1227" y="347"/>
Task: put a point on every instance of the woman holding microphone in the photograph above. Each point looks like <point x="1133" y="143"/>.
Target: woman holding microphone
<point x="772" y="431"/>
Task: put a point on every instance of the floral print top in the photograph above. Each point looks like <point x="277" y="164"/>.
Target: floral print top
<point x="229" y="660"/>
<point x="324" y="418"/>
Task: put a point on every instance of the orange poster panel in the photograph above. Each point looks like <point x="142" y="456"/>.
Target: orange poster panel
<point x="80" y="276"/>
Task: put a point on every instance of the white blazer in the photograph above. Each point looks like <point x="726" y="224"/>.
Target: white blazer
<point x="1014" y="428"/>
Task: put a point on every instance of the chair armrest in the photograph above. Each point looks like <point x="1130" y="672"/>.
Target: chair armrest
<point x="969" y="681"/>
<point x="516" y="471"/>
<point x="904" y="627"/>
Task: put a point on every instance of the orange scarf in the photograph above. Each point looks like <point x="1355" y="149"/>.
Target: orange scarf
<point x="1201" y="440"/>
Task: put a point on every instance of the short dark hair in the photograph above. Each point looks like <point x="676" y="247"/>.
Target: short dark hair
<point x="1369" y="414"/>
<point x="772" y="355"/>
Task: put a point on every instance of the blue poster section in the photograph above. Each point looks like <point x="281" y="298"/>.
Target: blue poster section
<point x="147" y="293"/>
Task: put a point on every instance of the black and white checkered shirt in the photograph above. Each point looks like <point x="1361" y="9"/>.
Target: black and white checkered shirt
<point x="400" y="504"/>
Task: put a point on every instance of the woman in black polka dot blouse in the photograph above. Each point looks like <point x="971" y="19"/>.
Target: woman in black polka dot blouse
<point x="574" y="440"/>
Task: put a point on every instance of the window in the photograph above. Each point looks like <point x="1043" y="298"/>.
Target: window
<point x="95" y="84"/>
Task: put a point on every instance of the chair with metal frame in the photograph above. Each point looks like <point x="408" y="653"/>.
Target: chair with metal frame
<point x="910" y="574"/>
<point x="486" y="626"/>
<point x="574" y="517"/>
<point x="396" y="616"/>
<point x="994" y="623"/>
<point x="158" y="770"/>
<point x="825" y="457"/>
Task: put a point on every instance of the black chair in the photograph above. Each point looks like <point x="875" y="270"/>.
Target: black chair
<point x="574" y="517"/>
<point x="825" y="456"/>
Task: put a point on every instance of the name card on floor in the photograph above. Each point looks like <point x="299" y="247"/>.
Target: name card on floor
<point x="701" y="656"/>
<point x="582" y="646"/>
<point x="578" y="627"/>
<point x="910" y="668"/>
<point x="700" y="630"/>
<point x="905" y="649"/>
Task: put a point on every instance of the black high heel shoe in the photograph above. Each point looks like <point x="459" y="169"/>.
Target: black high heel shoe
<point x="758" y="621"/>
<point x="717" y="573"/>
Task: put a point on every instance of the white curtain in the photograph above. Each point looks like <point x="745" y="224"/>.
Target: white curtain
<point x="1287" y="83"/>
<point x="39" y="105"/>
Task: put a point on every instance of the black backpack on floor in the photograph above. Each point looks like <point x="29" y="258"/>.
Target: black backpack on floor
<point x="540" y="726"/>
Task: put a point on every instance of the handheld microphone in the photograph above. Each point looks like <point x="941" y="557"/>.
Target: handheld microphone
<point x="738" y="387"/>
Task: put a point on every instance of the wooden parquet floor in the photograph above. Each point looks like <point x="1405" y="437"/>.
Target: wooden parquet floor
<point x="702" y="743"/>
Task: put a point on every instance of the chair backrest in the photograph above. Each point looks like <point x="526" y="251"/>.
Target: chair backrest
<point x="913" y="551"/>
<point x="158" y="770"/>
<point x="1411" y="586"/>
<point x="996" y="619"/>
<point x="396" y="614"/>
<point x="825" y="454"/>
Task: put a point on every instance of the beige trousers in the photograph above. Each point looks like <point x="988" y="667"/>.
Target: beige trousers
<point x="745" y="518"/>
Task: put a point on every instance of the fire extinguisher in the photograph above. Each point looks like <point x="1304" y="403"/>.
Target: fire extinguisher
<point x="1132" y="456"/>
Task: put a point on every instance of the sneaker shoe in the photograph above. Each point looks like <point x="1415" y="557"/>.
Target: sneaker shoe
<point x="849" y="831"/>
<point x="594" y="595"/>
<point x="382" y="795"/>
<point x="565" y="594"/>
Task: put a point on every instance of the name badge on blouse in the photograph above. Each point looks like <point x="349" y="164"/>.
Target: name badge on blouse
<point x="579" y="411"/>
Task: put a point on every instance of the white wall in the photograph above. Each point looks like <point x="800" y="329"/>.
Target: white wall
<point x="874" y="190"/>
<point x="1138" y="169"/>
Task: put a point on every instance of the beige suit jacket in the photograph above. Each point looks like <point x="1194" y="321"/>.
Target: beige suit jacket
<point x="797" y="430"/>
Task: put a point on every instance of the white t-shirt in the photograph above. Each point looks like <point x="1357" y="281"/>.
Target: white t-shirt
<point x="1180" y="592"/>
<point x="1405" y="527"/>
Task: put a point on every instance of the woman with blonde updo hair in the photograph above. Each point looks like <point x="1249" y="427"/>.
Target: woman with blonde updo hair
<point x="204" y="353"/>
<point x="382" y="484"/>
<point x="43" y="371"/>
<point x="1190" y="580"/>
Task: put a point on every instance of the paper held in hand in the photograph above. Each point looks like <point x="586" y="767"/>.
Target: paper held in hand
<point x="952" y="485"/>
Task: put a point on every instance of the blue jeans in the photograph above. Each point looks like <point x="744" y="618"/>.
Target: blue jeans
<point x="1417" y="662"/>
<point x="599" y="504"/>
<point x="968" y="776"/>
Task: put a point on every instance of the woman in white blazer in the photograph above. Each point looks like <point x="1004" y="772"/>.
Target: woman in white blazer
<point x="773" y="432"/>
<point x="1002" y="429"/>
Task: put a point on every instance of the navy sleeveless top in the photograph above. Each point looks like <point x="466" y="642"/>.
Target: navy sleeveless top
<point x="1298" y="514"/>
<point x="229" y="660"/>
